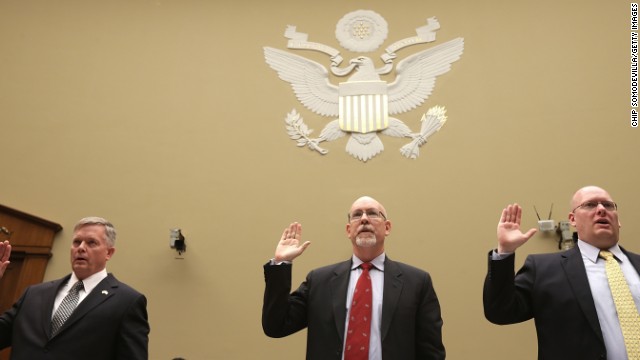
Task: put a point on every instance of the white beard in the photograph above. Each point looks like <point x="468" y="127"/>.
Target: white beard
<point x="366" y="241"/>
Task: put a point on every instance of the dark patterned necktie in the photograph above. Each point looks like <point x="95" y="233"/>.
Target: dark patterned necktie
<point x="66" y="307"/>
<point x="359" y="329"/>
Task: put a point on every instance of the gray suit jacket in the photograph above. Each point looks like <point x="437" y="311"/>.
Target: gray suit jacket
<point x="553" y="289"/>
<point x="411" y="324"/>
<point x="109" y="324"/>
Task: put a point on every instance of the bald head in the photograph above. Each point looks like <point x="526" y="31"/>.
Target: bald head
<point x="585" y="192"/>
<point x="595" y="217"/>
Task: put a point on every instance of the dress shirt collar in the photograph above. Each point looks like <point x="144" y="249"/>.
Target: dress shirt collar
<point x="378" y="262"/>
<point x="90" y="282"/>
<point x="592" y="252"/>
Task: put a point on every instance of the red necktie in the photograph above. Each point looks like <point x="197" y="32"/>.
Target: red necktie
<point x="357" y="344"/>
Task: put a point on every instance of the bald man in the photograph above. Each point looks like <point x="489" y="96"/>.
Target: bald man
<point x="405" y="319"/>
<point x="566" y="293"/>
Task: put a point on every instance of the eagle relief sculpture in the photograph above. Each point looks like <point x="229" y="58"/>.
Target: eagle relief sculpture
<point x="363" y="106"/>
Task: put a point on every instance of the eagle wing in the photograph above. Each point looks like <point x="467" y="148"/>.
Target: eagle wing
<point x="309" y="80"/>
<point x="332" y="131"/>
<point x="416" y="75"/>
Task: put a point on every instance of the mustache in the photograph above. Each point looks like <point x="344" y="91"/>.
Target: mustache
<point x="363" y="228"/>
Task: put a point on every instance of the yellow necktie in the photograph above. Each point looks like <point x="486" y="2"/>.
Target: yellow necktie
<point x="625" y="306"/>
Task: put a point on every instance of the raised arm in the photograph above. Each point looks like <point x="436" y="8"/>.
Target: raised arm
<point x="510" y="237"/>
<point x="284" y="313"/>
<point x="289" y="246"/>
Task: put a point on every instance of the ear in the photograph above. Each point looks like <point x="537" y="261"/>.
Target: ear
<point x="387" y="227"/>
<point x="348" y="228"/>
<point x="110" y="252"/>
<point x="572" y="219"/>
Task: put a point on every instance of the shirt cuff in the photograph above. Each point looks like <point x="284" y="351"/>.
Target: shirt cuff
<point x="495" y="255"/>
<point x="274" y="262"/>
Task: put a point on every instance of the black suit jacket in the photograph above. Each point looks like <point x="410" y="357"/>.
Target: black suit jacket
<point x="109" y="324"/>
<point x="553" y="289"/>
<point x="411" y="324"/>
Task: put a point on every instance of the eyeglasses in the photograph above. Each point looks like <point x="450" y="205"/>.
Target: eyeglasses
<point x="372" y="214"/>
<point x="590" y="205"/>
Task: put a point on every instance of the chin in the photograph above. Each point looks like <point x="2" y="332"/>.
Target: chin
<point x="603" y="242"/>
<point x="366" y="242"/>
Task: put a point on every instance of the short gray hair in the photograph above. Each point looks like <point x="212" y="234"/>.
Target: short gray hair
<point x="109" y="229"/>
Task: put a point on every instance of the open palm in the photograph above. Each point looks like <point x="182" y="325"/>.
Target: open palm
<point x="510" y="237"/>
<point x="289" y="246"/>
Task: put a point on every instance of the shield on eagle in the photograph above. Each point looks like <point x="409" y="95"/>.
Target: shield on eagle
<point x="363" y="106"/>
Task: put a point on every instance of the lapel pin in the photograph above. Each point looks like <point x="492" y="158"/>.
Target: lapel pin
<point x="105" y="292"/>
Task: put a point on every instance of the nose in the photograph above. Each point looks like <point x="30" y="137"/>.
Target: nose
<point x="600" y="209"/>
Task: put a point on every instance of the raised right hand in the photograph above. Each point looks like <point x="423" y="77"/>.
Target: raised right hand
<point x="510" y="237"/>
<point x="5" y="252"/>
<point x="289" y="246"/>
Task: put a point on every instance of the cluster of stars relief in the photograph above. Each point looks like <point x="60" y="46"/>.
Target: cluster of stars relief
<point x="361" y="30"/>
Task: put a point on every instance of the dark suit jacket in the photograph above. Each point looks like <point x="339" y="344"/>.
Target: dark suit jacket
<point x="553" y="289"/>
<point x="411" y="324"/>
<point x="109" y="324"/>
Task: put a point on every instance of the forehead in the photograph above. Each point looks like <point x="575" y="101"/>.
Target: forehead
<point x="365" y="203"/>
<point x="90" y="230"/>
<point x="591" y="193"/>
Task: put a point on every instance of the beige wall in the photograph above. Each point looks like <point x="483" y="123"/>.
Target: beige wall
<point x="161" y="114"/>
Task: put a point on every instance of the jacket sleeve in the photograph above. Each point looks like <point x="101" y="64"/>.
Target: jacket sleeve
<point x="133" y="337"/>
<point x="6" y="322"/>
<point x="507" y="296"/>
<point x="283" y="313"/>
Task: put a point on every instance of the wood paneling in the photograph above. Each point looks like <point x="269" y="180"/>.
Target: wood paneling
<point x="31" y="240"/>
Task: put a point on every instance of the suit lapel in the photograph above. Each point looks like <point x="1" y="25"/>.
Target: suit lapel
<point x="339" y="283"/>
<point x="576" y="273"/>
<point x="49" y="299"/>
<point x="634" y="258"/>
<point x="391" y="294"/>
<point x="101" y="293"/>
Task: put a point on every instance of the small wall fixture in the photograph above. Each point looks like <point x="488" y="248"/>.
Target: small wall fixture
<point x="562" y="229"/>
<point x="545" y="225"/>
<point x="177" y="241"/>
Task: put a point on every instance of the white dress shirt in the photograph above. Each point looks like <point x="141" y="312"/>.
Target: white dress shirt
<point x="377" y="283"/>
<point x="605" y="307"/>
<point x="88" y="284"/>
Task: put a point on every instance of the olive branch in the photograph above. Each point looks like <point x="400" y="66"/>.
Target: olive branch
<point x="299" y="131"/>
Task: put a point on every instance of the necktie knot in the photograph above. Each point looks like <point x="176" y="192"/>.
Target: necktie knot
<point x="366" y="266"/>
<point x="606" y="255"/>
<point x="77" y="287"/>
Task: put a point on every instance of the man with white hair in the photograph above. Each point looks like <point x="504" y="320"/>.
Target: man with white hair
<point x="88" y="314"/>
